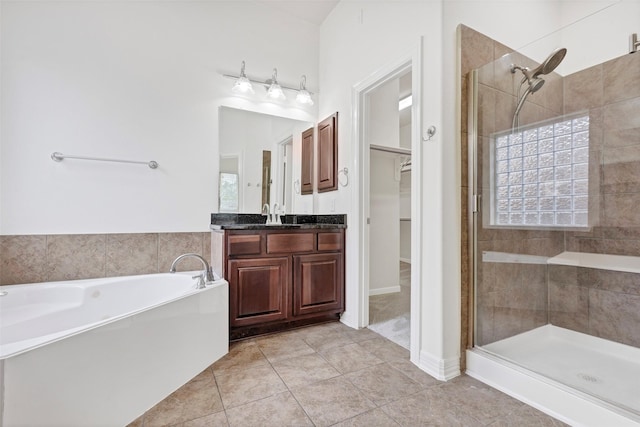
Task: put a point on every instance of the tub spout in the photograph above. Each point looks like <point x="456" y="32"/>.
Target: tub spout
<point x="207" y="273"/>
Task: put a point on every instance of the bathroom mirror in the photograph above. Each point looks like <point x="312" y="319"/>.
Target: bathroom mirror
<point x="263" y="151"/>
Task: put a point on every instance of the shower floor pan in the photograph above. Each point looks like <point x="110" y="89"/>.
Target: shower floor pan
<point x="575" y="365"/>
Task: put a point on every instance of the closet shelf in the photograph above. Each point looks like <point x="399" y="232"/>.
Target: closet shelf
<point x="629" y="264"/>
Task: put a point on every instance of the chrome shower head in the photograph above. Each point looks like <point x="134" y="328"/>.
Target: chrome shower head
<point x="535" y="84"/>
<point x="551" y="63"/>
<point x="547" y="66"/>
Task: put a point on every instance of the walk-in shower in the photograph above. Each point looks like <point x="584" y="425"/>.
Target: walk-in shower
<point x="535" y="83"/>
<point x="555" y="234"/>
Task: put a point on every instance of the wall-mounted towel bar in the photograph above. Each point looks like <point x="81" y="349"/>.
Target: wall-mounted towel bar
<point x="58" y="157"/>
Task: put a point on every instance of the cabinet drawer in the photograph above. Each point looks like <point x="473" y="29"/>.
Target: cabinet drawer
<point x="298" y="242"/>
<point x="244" y="244"/>
<point x="329" y="241"/>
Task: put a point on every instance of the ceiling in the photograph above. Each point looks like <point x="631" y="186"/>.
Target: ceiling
<point x="313" y="11"/>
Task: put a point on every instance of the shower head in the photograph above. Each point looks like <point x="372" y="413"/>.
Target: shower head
<point x="535" y="84"/>
<point x="550" y="63"/>
<point x="547" y="66"/>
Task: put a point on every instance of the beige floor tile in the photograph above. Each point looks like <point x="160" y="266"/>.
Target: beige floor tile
<point x="527" y="416"/>
<point x="383" y="384"/>
<point x="283" y="346"/>
<point x="197" y="398"/>
<point x="415" y="373"/>
<point x="238" y="387"/>
<point x="384" y="349"/>
<point x="358" y="335"/>
<point x="327" y="341"/>
<point x="360" y="375"/>
<point x="278" y="410"/>
<point x="350" y="358"/>
<point x="374" y="418"/>
<point x="218" y="419"/>
<point x="485" y="403"/>
<point x="302" y="370"/>
<point x="331" y="401"/>
<point x="427" y="407"/>
<point x="242" y="355"/>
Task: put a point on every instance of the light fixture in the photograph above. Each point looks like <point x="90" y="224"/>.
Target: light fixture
<point x="304" y="97"/>
<point x="404" y="103"/>
<point x="243" y="84"/>
<point x="275" y="91"/>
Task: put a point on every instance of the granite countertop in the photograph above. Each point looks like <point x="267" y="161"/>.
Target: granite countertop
<point x="225" y="221"/>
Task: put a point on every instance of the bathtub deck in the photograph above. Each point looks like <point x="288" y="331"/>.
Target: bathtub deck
<point x="607" y="370"/>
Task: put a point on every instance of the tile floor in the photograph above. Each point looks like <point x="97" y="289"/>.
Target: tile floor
<point x="389" y="314"/>
<point x="331" y="374"/>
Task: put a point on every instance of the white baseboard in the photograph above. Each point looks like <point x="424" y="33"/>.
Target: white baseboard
<point x="407" y="260"/>
<point x="382" y="291"/>
<point x="441" y="369"/>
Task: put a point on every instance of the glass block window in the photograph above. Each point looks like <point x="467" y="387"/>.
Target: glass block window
<point x="540" y="175"/>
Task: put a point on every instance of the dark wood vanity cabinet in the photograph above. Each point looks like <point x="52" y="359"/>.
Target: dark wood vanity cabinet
<point x="328" y="154"/>
<point x="306" y="163"/>
<point x="280" y="278"/>
<point x="259" y="291"/>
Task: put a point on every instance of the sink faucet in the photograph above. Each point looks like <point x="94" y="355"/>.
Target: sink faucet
<point x="206" y="276"/>
<point x="276" y="215"/>
<point x="267" y="211"/>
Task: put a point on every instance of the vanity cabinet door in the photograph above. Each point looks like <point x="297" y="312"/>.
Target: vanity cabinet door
<point x="306" y="167"/>
<point x="318" y="283"/>
<point x="258" y="290"/>
<point x="328" y="154"/>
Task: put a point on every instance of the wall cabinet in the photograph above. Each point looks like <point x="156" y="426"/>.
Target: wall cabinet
<point x="280" y="279"/>
<point x="328" y="154"/>
<point x="306" y="166"/>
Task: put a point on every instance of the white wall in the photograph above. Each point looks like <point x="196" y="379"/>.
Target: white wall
<point x="131" y="80"/>
<point x="384" y="230"/>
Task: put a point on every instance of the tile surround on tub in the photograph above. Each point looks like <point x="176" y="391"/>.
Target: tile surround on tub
<point x="45" y="258"/>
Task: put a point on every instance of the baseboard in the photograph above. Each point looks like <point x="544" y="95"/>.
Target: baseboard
<point x="407" y="260"/>
<point x="382" y="291"/>
<point x="441" y="369"/>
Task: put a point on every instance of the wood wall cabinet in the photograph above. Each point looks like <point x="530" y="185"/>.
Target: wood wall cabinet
<point x="306" y="167"/>
<point x="328" y="154"/>
<point x="280" y="279"/>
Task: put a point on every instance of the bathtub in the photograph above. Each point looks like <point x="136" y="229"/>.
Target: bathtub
<point x="101" y="352"/>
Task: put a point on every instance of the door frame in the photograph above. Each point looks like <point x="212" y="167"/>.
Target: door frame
<point x="411" y="61"/>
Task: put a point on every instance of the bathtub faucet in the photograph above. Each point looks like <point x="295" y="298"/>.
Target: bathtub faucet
<point x="206" y="276"/>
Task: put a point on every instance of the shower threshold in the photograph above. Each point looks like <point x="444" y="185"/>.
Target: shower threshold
<point x="577" y="378"/>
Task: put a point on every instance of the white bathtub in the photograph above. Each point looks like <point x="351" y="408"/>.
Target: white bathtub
<point x="101" y="352"/>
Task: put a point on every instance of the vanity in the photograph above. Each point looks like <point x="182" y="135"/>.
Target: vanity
<point x="280" y="276"/>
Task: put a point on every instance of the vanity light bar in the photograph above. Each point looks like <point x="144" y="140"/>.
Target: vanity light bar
<point x="243" y="85"/>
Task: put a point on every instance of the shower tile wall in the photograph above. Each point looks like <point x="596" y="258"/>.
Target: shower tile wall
<point x="600" y="302"/>
<point x="514" y="298"/>
<point x="43" y="258"/>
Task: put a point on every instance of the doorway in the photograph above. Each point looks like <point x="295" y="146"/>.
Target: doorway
<point x="389" y="137"/>
<point x="408" y="66"/>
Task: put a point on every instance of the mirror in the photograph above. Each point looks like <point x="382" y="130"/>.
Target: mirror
<point x="259" y="162"/>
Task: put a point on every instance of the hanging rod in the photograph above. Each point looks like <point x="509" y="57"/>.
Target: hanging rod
<point x="395" y="150"/>
<point x="58" y="157"/>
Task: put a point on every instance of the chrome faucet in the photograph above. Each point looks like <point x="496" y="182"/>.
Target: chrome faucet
<point x="205" y="277"/>
<point x="276" y="215"/>
<point x="267" y="213"/>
